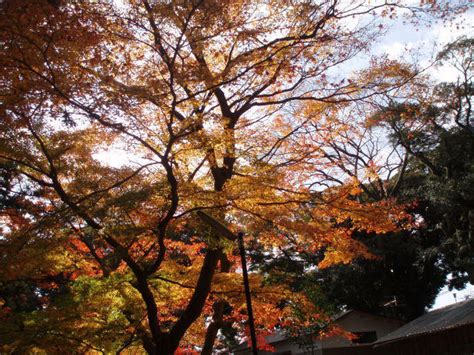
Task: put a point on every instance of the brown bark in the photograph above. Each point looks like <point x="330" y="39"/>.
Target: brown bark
<point x="217" y="317"/>
<point x="170" y="342"/>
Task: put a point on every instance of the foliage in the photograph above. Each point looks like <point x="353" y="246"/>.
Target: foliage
<point x="435" y="178"/>
<point x="428" y="168"/>
<point x="437" y="133"/>
<point x="205" y="101"/>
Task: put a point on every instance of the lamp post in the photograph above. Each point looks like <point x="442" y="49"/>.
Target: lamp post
<point x="223" y="231"/>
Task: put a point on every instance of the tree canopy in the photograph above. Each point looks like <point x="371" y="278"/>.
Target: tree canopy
<point x="220" y="106"/>
<point x="428" y="140"/>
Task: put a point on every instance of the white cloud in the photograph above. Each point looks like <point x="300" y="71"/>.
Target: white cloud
<point x="446" y="297"/>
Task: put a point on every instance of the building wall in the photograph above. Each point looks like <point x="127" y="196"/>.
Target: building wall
<point x="454" y="341"/>
<point x="353" y="321"/>
<point x="356" y="322"/>
<point x="287" y="347"/>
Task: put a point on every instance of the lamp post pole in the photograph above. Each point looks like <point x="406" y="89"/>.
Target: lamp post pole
<point x="225" y="232"/>
<point x="240" y="239"/>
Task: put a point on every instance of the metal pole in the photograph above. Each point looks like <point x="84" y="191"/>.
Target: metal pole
<point x="247" y="293"/>
<point x="225" y="232"/>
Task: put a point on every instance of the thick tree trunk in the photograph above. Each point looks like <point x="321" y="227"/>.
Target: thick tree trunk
<point x="171" y="340"/>
<point x="217" y="317"/>
<point x="213" y="328"/>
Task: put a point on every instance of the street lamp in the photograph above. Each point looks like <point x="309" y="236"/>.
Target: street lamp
<point x="222" y="230"/>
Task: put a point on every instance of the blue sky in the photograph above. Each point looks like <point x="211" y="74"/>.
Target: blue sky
<point x="426" y="40"/>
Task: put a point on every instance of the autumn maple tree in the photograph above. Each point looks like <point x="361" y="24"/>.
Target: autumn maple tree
<point x="211" y="105"/>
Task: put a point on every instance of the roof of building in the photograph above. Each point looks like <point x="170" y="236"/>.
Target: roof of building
<point x="448" y="317"/>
